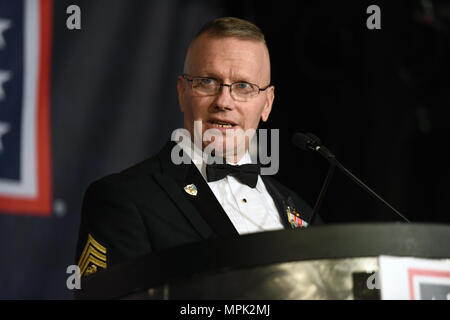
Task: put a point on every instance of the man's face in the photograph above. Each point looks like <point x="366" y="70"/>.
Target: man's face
<point x="227" y="60"/>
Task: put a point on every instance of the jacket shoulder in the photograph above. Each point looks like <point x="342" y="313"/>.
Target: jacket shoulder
<point x="110" y="216"/>
<point x="133" y="173"/>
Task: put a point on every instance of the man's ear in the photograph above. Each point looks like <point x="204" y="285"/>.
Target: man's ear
<point x="181" y="88"/>
<point x="270" y="96"/>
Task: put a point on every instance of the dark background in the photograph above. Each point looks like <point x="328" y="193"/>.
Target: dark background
<point x="379" y="99"/>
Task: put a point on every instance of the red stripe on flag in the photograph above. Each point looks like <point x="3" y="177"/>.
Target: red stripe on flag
<point x="42" y="204"/>
<point x="412" y="272"/>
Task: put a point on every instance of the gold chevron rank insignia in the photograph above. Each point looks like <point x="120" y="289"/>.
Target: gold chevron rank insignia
<point x="92" y="258"/>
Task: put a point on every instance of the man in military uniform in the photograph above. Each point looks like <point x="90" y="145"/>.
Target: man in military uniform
<point x="158" y="204"/>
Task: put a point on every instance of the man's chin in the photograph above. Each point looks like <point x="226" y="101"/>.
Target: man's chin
<point x="222" y="149"/>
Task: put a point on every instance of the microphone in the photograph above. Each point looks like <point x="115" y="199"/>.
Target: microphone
<point x="309" y="141"/>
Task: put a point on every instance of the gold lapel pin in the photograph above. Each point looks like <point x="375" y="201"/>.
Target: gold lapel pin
<point x="191" y="189"/>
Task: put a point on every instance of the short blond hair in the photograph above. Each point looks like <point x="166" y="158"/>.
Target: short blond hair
<point x="232" y="27"/>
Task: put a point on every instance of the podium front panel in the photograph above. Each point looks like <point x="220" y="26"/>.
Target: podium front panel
<point x="326" y="262"/>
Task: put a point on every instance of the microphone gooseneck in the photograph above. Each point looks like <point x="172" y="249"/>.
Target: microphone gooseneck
<point x="309" y="141"/>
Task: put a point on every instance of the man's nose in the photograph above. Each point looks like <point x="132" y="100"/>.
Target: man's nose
<point x="224" y="99"/>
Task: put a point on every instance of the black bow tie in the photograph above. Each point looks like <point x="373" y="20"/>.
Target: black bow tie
<point x="246" y="173"/>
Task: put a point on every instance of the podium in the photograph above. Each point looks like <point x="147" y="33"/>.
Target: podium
<point x="321" y="262"/>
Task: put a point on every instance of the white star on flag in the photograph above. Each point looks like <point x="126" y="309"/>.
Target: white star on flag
<point x="4" y="128"/>
<point x="4" y="25"/>
<point x="4" y="76"/>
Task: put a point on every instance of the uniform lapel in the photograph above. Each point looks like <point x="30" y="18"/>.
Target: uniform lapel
<point x="207" y="205"/>
<point x="289" y="214"/>
<point x="279" y="200"/>
<point x="202" y="209"/>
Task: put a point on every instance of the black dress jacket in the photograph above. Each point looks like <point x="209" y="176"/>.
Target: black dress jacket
<point x="145" y="208"/>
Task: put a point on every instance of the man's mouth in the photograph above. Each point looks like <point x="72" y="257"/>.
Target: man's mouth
<point x="221" y="124"/>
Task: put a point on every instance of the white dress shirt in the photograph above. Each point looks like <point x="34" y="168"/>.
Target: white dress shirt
<point x="249" y="209"/>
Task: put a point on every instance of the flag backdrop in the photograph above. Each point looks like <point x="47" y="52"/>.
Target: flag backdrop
<point x="76" y="105"/>
<point x="25" y="183"/>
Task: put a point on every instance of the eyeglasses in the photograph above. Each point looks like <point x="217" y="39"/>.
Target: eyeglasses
<point x="240" y="91"/>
